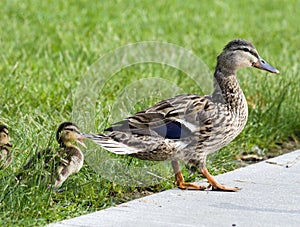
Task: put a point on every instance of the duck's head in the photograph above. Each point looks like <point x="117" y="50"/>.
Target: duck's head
<point x="4" y="136"/>
<point x="240" y="53"/>
<point x="67" y="133"/>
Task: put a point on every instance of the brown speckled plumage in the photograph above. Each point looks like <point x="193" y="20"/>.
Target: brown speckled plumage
<point x="67" y="160"/>
<point x="6" y="155"/>
<point x="189" y="127"/>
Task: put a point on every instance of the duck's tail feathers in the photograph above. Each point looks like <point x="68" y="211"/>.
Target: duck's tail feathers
<point x="111" y="144"/>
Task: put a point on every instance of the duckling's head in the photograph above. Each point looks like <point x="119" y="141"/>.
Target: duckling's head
<point x="240" y="53"/>
<point x="4" y="136"/>
<point x="67" y="133"/>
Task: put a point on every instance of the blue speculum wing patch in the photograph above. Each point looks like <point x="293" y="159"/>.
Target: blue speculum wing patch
<point x="172" y="130"/>
<point x="169" y="130"/>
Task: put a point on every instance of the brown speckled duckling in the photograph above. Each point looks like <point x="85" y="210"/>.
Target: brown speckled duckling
<point x="189" y="127"/>
<point x="5" y="154"/>
<point x="71" y="155"/>
<point x="67" y="160"/>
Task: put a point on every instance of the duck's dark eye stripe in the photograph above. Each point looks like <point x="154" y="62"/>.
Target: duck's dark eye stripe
<point x="72" y="130"/>
<point x="5" y="132"/>
<point x="248" y="50"/>
<point x="254" y="54"/>
<point x="243" y="49"/>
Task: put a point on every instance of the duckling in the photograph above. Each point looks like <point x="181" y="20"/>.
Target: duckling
<point x="5" y="154"/>
<point x="189" y="127"/>
<point x="71" y="156"/>
<point x="67" y="160"/>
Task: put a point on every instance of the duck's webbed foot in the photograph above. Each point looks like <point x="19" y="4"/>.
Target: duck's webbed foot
<point x="180" y="183"/>
<point x="214" y="185"/>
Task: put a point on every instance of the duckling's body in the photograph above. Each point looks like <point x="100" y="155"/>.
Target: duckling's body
<point x="6" y="155"/>
<point x="67" y="160"/>
<point x="189" y="127"/>
<point x="71" y="156"/>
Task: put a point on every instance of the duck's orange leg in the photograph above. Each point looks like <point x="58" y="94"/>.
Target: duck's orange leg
<point x="180" y="183"/>
<point x="180" y="180"/>
<point x="214" y="184"/>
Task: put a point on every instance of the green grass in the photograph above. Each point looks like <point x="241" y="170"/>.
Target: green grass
<point x="47" y="47"/>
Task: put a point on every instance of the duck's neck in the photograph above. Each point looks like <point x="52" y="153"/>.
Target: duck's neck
<point x="228" y="91"/>
<point x="68" y="144"/>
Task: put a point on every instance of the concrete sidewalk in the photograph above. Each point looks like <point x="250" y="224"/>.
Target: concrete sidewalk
<point x="270" y="196"/>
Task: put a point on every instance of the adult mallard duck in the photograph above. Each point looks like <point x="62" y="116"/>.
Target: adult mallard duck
<point x="189" y="127"/>
<point x="67" y="160"/>
<point x="5" y="154"/>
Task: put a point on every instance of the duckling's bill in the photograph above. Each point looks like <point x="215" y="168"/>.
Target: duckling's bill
<point x="262" y="64"/>
<point x="79" y="140"/>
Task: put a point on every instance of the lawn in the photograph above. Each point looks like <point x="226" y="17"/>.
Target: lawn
<point x="50" y="48"/>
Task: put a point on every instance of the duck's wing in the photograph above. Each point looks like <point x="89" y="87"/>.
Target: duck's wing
<point x="169" y="125"/>
<point x="175" y="118"/>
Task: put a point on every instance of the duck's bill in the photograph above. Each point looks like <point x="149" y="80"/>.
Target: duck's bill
<point x="9" y="145"/>
<point x="262" y="64"/>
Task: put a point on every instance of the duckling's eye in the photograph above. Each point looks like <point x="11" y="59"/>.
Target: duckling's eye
<point x="246" y="49"/>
